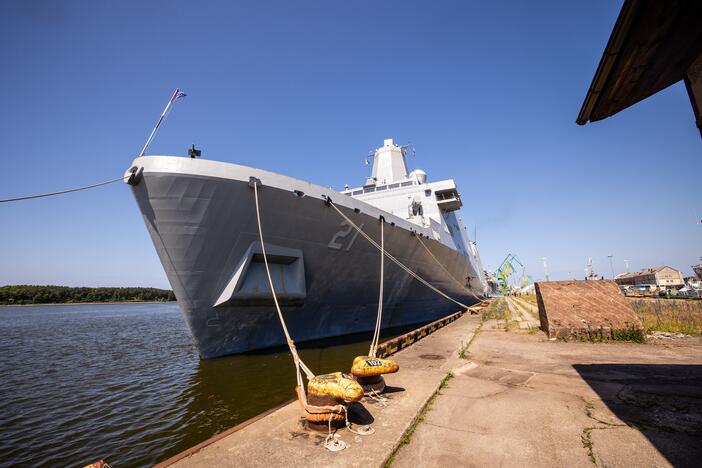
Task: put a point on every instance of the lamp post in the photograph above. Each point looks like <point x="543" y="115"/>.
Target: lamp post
<point x="611" y="266"/>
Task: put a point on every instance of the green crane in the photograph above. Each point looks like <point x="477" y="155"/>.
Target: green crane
<point x="506" y="270"/>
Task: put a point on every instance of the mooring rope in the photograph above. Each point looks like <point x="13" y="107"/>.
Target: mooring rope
<point x="291" y="344"/>
<point x="379" y="317"/>
<point x="365" y="430"/>
<point x="393" y="259"/>
<point x="373" y="395"/>
<point x="448" y="272"/>
<point x="61" y="192"/>
<point x="333" y="443"/>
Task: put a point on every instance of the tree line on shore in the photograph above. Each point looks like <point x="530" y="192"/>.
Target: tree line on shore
<point x="30" y="294"/>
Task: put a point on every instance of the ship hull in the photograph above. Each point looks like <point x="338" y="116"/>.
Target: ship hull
<point x="201" y="217"/>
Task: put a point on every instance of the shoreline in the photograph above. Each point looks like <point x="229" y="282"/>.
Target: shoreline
<point x="86" y="303"/>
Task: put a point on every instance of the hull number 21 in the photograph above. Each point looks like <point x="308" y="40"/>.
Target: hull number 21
<point x="341" y="237"/>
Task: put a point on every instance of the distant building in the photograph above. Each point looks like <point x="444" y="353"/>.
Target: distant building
<point x="662" y="276"/>
<point x="693" y="282"/>
<point x="698" y="269"/>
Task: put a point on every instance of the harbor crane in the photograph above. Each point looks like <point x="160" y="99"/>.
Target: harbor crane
<point x="506" y="270"/>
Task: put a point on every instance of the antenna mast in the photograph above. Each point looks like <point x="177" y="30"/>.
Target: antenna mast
<point x="177" y="94"/>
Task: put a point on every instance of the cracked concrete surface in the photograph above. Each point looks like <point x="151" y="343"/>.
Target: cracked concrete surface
<point x="519" y="400"/>
<point x="524" y="401"/>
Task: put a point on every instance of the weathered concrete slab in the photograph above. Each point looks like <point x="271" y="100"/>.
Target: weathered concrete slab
<point x="521" y="400"/>
<point x="523" y="313"/>
<point x="525" y="401"/>
<point x="280" y="438"/>
<point x="584" y="309"/>
<point x="609" y="444"/>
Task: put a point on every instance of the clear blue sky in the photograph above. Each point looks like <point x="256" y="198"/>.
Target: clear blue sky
<point x="488" y="93"/>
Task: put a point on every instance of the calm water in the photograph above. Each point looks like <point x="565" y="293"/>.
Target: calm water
<point x="124" y="383"/>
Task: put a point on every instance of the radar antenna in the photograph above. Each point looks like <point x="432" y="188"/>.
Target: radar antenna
<point x="408" y="150"/>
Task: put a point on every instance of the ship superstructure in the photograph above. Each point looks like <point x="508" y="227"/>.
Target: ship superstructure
<point x="432" y="206"/>
<point x="200" y="215"/>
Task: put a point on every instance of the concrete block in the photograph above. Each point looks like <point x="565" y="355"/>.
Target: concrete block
<point x="584" y="310"/>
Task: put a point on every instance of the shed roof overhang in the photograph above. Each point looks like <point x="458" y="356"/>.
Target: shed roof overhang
<point x="653" y="45"/>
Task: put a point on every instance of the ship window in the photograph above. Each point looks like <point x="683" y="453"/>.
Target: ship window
<point x="393" y="185"/>
<point x="406" y="184"/>
<point x="369" y="190"/>
<point x="382" y="187"/>
<point x="446" y="195"/>
<point x="357" y="192"/>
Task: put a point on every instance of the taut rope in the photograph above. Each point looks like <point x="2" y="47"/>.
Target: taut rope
<point x="393" y="259"/>
<point x="448" y="272"/>
<point x="291" y="344"/>
<point x="61" y="192"/>
<point x="379" y="318"/>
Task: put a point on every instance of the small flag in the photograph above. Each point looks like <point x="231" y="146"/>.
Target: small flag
<point x="180" y="95"/>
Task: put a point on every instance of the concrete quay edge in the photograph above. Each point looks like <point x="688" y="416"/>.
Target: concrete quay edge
<point x="278" y="436"/>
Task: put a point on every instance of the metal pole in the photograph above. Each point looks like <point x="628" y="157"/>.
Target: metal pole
<point x="160" y="120"/>
<point x="611" y="265"/>
<point x="545" y="260"/>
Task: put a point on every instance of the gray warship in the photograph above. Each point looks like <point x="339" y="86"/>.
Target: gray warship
<point x="201" y="217"/>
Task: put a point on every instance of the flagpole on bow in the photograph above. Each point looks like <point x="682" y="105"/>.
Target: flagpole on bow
<point x="177" y="94"/>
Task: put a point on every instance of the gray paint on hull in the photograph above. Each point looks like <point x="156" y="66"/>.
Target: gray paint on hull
<point x="202" y="226"/>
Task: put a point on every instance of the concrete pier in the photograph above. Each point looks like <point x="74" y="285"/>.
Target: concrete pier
<point x="525" y="401"/>
<point x="506" y="396"/>
<point x="281" y="439"/>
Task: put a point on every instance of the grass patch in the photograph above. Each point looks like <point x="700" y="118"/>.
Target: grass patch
<point x="407" y="436"/>
<point x="462" y="353"/>
<point x="530" y="298"/>
<point x="586" y="439"/>
<point x="512" y="325"/>
<point x="444" y="382"/>
<point x="497" y="310"/>
<point x="631" y="335"/>
<point x="669" y="315"/>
